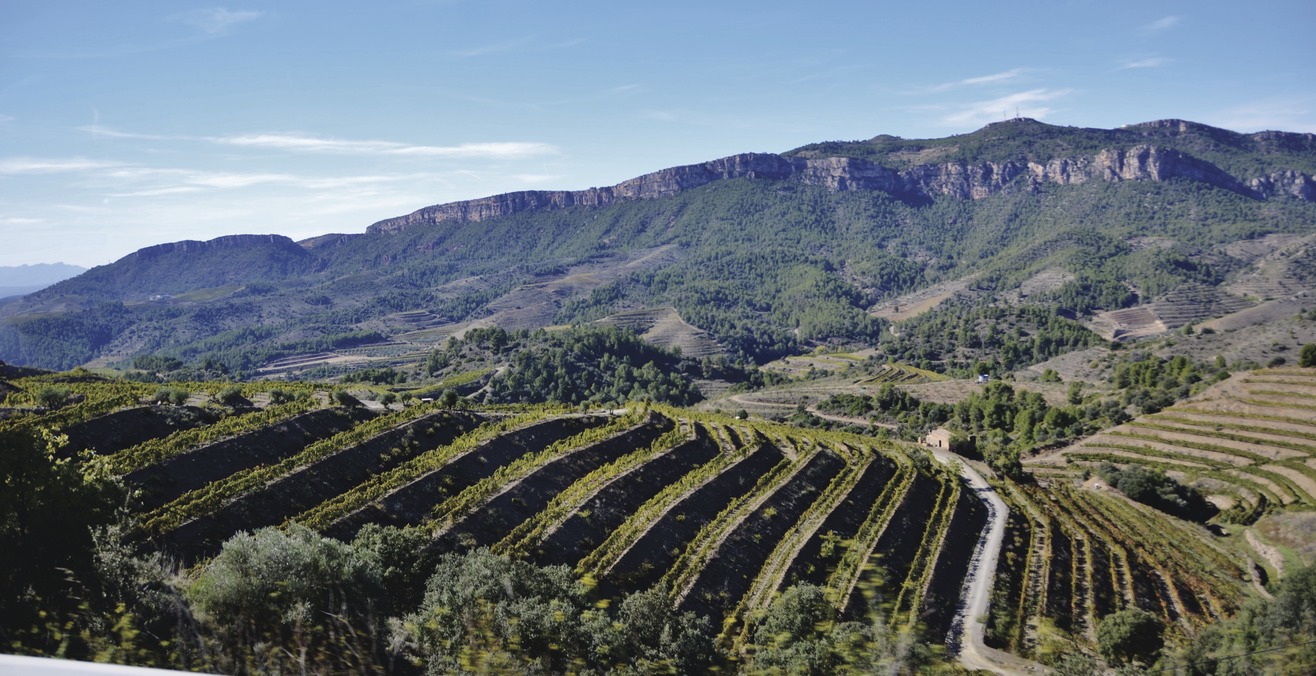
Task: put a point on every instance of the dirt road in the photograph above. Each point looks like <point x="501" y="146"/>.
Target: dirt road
<point x="966" y="632"/>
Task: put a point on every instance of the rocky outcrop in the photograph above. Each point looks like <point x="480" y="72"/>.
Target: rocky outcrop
<point x="1144" y="162"/>
<point x="649" y="186"/>
<point x="1289" y="183"/>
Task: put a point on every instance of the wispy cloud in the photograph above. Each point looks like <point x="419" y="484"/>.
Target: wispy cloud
<point x="156" y="181"/>
<point x="157" y="192"/>
<point x="217" y="20"/>
<point x="302" y="143"/>
<point x="1149" y="62"/>
<point x="1161" y="24"/>
<point x="314" y="144"/>
<point x="19" y="221"/>
<point x="535" y="179"/>
<point x="39" y="165"/>
<point x="494" y="48"/>
<point x="995" y="78"/>
<point x="98" y="130"/>
<point x="1031" y="103"/>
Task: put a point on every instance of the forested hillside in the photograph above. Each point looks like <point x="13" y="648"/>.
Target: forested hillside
<point x="768" y="254"/>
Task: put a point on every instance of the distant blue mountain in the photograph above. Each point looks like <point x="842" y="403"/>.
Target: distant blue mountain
<point x="19" y="280"/>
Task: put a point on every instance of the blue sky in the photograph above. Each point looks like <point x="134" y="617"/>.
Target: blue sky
<point x="126" y="124"/>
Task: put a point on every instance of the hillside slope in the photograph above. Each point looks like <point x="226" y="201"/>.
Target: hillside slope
<point x="720" y="515"/>
<point x="766" y="253"/>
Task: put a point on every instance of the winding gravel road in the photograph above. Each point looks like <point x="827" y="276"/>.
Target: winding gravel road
<point x="967" y="631"/>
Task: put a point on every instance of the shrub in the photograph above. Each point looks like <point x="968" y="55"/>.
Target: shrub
<point x="292" y="589"/>
<point x="52" y="396"/>
<point x="479" y="606"/>
<point x="231" y="396"/>
<point x="342" y="398"/>
<point x="800" y="634"/>
<point x="172" y="395"/>
<point x="1155" y="489"/>
<point x="1130" y="636"/>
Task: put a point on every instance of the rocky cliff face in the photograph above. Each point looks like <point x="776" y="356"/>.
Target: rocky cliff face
<point x="649" y="186"/>
<point x="1142" y="162"/>
<point x="1289" y="183"/>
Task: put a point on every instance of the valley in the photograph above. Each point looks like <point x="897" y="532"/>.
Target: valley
<point x="908" y="405"/>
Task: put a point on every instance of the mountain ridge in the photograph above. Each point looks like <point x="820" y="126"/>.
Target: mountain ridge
<point x="767" y="253"/>
<point x="1145" y="161"/>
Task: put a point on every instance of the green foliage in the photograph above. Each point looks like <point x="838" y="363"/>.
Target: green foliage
<point x="344" y="399"/>
<point x="1090" y="291"/>
<point x="231" y="396"/>
<point x="291" y="588"/>
<point x="1267" y="636"/>
<point x="66" y="340"/>
<point x="47" y="512"/>
<point x="1154" y="488"/>
<point x="485" y="612"/>
<point x="95" y="396"/>
<point x="960" y="333"/>
<point x="176" y="396"/>
<point x="1007" y="422"/>
<point x="1152" y="383"/>
<point x="481" y="607"/>
<point x="1130" y="636"/>
<point x="650" y="636"/>
<point x="404" y="559"/>
<point x="596" y="365"/>
<point x="280" y="396"/>
<point x="799" y="634"/>
<point x="52" y="396"/>
<point x="156" y="363"/>
<point x="1307" y="358"/>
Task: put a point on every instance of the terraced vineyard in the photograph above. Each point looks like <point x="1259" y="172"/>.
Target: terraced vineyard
<point x="720" y="513"/>
<point x="1074" y="556"/>
<point x="1250" y="441"/>
<point x="901" y="374"/>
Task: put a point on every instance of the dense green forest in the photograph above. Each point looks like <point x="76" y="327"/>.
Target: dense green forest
<point x="585" y="365"/>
